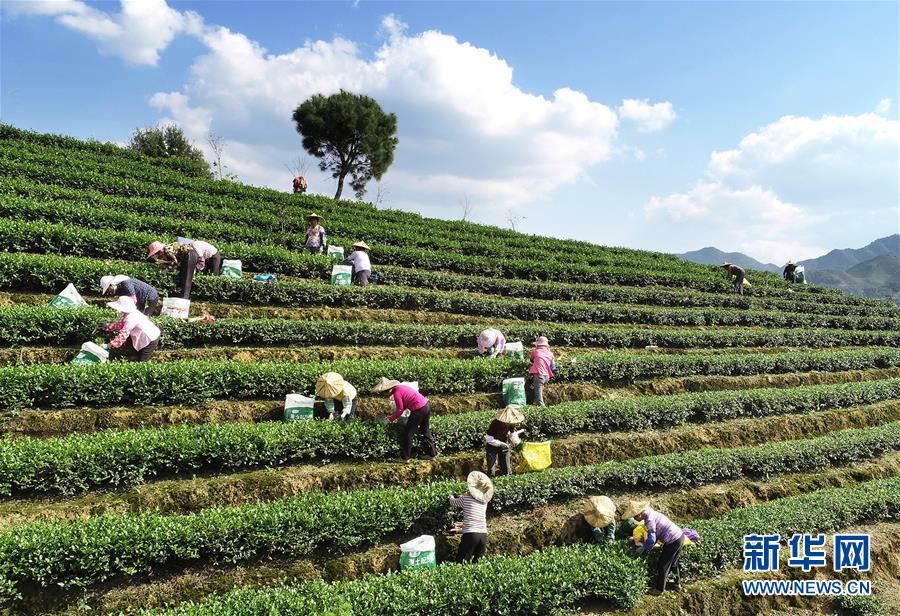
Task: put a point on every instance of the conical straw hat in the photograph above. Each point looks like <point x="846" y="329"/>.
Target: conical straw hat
<point x="329" y="385"/>
<point x="599" y="511"/>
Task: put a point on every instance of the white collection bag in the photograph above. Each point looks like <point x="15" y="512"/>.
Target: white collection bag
<point x="298" y="407"/>
<point x="232" y="268"/>
<point x="91" y="355"/>
<point x="336" y="253"/>
<point x="176" y="307"/>
<point x="68" y="298"/>
<point x="342" y="274"/>
<point x="514" y="391"/>
<point x="418" y="553"/>
<point x="515" y="350"/>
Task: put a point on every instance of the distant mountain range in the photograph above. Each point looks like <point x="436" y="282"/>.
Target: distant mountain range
<point x="872" y="271"/>
<point x="714" y="256"/>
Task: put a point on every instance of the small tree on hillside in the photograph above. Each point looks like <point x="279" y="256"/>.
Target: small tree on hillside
<point x="351" y="135"/>
<point x="169" y="142"/>
<point x="219" y="168"/>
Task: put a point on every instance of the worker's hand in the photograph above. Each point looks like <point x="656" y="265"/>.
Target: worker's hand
<point x="384" y="421"/>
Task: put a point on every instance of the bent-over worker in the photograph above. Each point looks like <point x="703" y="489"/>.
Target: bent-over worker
<point x="405" y="398"/>
<point x="600" y="513"/>
<point x="736" y="274"/>
<point x="491" y="341"/>
<point x="473" y="543"/>
<point x="196" y="256"/>
<point x="145" y="296"/>
<point x="659" y="528"/>
<point x="790" y="272"/>
<point x="338" y="395"/>
<point x="136" y="328"/>
<point x="502" y="433"/>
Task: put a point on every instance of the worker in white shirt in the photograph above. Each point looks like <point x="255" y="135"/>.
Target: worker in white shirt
<point x="362" y="266"/>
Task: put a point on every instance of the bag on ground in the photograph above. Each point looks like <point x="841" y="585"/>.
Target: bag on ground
<point x="232" y="268"/>
<point x="341" y="274"/>
<point x="90" y="354"/>
<point x="68" y="298"/>
<point x="418" y="553"/>
<point x="336" y="253"/>
<point x="535" y="457"/>
<point x="514" y="391"/>
<point x="515" y="350"/>
<point x="176" y="307"/>
<point x="800" y="274"/>
<point x="298" y="407"/>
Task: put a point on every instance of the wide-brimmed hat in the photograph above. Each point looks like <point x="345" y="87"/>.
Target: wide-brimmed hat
<point x="541" y="341"/>
<point x="314" y="215"/>
<point x="725" y="265"/>
<point x="123" y="304"/>
<point x="154" y="248"/>
<point x="329" y="385"/>
<point x="599" y="511"/>
<point x="384" y="384"/>
<point x="512" y="414"/>
<point x="481" y="488"/>
<point x="362" y="245"/>
<point x="633" y="508"/>
<point x="790" y="262"/>
<point x="107" y="281"/>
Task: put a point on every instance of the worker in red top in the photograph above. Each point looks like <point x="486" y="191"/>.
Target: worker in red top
<point x="404" y="398"/>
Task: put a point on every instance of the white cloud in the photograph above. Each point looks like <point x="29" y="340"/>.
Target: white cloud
<point x="649" y="118"/>
<point x="463" y="125"/>
<point x="794" y="186"/>
<point x="884" y="105"/>
<point x="138" y="33"/>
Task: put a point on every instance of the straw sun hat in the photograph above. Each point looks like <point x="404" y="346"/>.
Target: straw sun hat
<point x="481" y="488"/>
<point x="316" y="216"/>
<point x="633" y="508"/>
<point x="512" y="414"/>
<point x="362" y="245"/>
<point x="329" y="385"/>
<point x="599" y="511"/>
<point x="383" y="385"/>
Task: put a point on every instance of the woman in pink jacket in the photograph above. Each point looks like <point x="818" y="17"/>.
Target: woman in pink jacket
<point x="542" y="368"/>
<point x="405" y="398"/>
<point x="134" y="328"/>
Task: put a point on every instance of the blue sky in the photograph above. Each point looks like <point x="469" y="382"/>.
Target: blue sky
<point x="769" y="128"/>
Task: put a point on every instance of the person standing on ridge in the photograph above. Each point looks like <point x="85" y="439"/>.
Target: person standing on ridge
<point x="790" y="272"/>
<point x="543" y="365"/>
<point x="315" y="234"/>
<point x="473" y="543"/>
<point x="300" y="185"/>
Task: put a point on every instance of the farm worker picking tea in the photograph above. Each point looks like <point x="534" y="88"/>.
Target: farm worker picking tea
<point x="473" y="542"/>
<point x="500" y="435"/>
<point x="145" y="297"/>
<point x="790" y="272"/>
<point x="315" y="234"/>
<point x="659" y="528"/>
<point x="339" y="396"/>
<point x="600" y="513"/>
<point x="362" y="265"/>
<point x="406" y="401"/>
<point x="736" y="274"/>
<point x="133" y="327"/>
<point x="543" y="365"/>
<point x="491" y="341"/>
<point x="195" y="256"/>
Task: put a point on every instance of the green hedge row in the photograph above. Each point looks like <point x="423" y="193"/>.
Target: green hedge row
<point x="34" y="272"/>
<point x="195" y="381"/>
<point x="21" y="324"/>
<point x="79" y="462"/>
<point x="94" y="216"/>
<point x="557" y="577"/>
<point x="76" y="554"/>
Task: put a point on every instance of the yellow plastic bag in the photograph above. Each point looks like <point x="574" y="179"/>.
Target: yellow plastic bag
<point x="640" y="536"/>
<point x="535" y="456"/>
